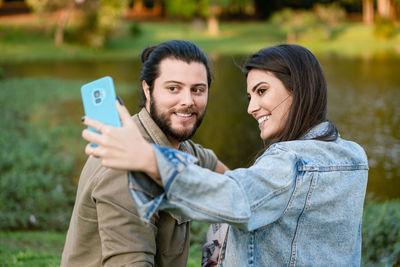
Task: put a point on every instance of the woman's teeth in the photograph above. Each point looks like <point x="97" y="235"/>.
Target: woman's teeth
<point x="262" y="119"/>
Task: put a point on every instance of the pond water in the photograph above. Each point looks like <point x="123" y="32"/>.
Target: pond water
<point x="363" y="102"/>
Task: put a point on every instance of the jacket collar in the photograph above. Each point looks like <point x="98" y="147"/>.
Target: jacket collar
<point x="318" y="130"/>
<point x="157" y="136"/>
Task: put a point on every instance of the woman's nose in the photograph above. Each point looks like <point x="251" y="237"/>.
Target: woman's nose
<point x="253" y="106"/>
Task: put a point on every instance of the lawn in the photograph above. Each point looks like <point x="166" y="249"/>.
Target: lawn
<point x="380" y="232"/>
<point x="31" y="248"/>
<point x="44" y="249"/>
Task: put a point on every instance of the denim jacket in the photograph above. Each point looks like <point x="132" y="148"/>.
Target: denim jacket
<point x="300" y="204"/>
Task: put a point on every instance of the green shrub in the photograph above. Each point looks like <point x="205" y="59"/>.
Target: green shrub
<point x="381" y="234"/>
<point x="318" y="24"/>
<point x="40" y="147"/>
<point x="33" y="188"/>
<point x="330" y="14"/>
<point x="384" y="28"/>
<point x="36" y="191"/>
<point x="135" y="29"/>
<point x="294" y="23"/>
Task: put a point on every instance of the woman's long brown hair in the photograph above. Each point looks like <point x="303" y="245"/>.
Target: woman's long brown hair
<point x="300" y="72"/>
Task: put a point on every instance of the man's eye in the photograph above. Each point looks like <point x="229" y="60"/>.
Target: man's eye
<point x="173" y="88"/>
<point x="198" y="90"/>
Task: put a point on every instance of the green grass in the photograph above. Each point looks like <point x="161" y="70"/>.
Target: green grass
<point x="31" y="43"/>
<point x="380" y="232"/>
<point x="31" y="248"/>
<point x="45" y="248"/>
<point x="355" y="40"/>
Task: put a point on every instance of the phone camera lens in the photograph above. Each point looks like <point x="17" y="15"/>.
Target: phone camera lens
<point x="98" y="100"/>
<point x="96" y="93"/>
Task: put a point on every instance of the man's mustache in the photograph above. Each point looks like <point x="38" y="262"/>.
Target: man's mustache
<point x="186" y="110"/>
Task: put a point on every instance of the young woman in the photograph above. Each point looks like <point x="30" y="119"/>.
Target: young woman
<point x="301" y="201"/>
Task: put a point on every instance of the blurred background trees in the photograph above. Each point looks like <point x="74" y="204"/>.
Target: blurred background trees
<point x="93" y="22"/>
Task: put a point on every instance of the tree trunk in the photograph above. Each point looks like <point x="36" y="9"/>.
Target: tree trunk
<point x="212" y="21"/>
<point x="368" y="12"/>
<point x="385" y="9"/>
<point x="291" y="37"/>
<point x="62" y="21"/>
<point x="395" y="10"/>
<point x="213" y="27"/>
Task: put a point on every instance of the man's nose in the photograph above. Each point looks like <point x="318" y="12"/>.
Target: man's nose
<point x="187" y="98"/>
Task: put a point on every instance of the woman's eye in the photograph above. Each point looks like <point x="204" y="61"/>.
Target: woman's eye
<point x="261" y="91"/>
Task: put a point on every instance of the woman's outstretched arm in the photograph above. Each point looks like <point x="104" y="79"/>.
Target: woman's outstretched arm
<point x="247" y="198"/>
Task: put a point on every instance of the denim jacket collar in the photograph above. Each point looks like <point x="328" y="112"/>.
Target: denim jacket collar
<point x="318" y="130"/>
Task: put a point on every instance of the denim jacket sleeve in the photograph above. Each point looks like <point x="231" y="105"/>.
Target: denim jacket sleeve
<point x="247" y="198"/>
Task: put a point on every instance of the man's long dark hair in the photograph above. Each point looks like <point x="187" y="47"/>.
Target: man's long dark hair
<point x="300" y="72"/>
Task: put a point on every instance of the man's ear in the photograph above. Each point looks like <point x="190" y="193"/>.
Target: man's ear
<point x="146" y="90"/>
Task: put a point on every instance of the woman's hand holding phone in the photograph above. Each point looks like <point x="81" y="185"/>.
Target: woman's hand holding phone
<point x="121" y="148"/>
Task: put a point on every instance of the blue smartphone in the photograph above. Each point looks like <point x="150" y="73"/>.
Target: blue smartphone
<point x="98" y="99"/>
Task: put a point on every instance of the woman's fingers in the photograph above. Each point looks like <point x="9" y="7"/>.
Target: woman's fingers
<point x="116" y="146"/>
<point x="109" y="158"/>
<point x="124" y="114"/>
<point x="91" y="151"/>
<point x="90" y="136"/>
<point x="98" y="126"/>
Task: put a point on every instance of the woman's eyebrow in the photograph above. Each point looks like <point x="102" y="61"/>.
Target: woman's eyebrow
<point x="257" y="85"/>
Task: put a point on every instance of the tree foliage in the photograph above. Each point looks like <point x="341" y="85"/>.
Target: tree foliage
<point x="93" y="20"/>
<point x="189" y="9"/>
<point x="98" y="20"/>
<point x="182" y="8"/>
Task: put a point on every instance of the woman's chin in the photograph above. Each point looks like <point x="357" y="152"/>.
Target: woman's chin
<point x="264" y="135"/>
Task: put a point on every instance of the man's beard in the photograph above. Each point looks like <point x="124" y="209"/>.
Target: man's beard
<point x="163" y="120"/>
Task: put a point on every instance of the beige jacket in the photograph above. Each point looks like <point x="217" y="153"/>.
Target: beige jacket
<point x="105" y="228"/>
